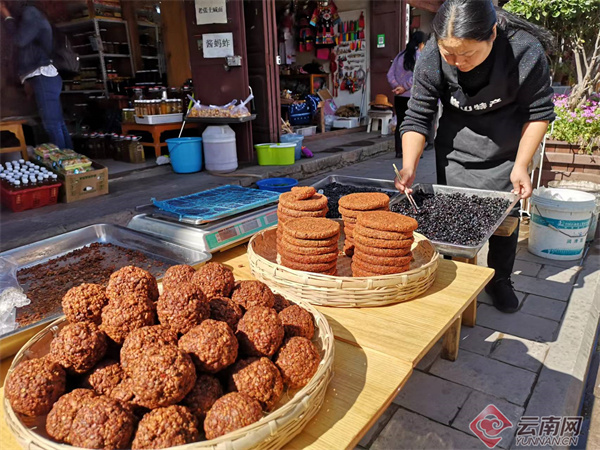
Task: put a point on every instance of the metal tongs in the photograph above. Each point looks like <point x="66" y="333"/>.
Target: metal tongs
<point x="410" y="198"/>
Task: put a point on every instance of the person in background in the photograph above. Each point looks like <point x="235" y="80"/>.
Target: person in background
<point x="490" y="71"/>
<point x="400" y="77"/>
<point x="32" y="34"/>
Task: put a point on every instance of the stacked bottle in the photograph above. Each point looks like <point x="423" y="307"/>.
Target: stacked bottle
<point x="20" y="174"/>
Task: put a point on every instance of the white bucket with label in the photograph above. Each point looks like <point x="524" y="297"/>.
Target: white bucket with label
<point x="560" y="219"/>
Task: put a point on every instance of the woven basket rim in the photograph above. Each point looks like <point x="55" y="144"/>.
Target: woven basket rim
<point x="368" y="281"/>
<point x="272" y="421"/>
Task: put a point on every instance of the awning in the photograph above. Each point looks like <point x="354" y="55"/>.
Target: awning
<point x="427" y="5"/>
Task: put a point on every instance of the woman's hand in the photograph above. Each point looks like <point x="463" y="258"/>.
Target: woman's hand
<point x="521" y="182"/>
<point x="399" y="90"/>
<point x="4" y="11"/>
<point x="407" y="177"/>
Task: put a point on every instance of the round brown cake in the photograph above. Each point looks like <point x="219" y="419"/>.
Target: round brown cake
<point x="34" y="386"/>
<point x="162" y="376"/>
<point x="231" y="412"/>
<point x="165" y="428"/>
<point x="60" y="418"/>
<point x="364" y="201"/>
<point x="297" y="360"/>
<point x="260" y="332"/>
<point x="131" y="280"/>
<point x="175" y="275"/>
<point x="84" y="303"/>
<point x="102" y="422"/>
<point x="212" y="345"/>
<point x="78" y="347"/>
<point x="214" y="279"/>
<point x="125" y="314"/>
<point x="259" y="378"/>
<point x="249" y="293"/>
<point x="182" y="307"/>
<point x="203" y="395"/>
<point x="144" y="337"/>
<point x="297" y="321"/>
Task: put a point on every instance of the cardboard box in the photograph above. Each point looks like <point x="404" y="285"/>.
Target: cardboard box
<point x="84" y="185"/>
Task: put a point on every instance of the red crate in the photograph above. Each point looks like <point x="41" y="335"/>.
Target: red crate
<point x="24" y="199"/>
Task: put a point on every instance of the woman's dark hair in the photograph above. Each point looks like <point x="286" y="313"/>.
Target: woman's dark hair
<point x="475" y="19"/>
<point x="410" y="52"/>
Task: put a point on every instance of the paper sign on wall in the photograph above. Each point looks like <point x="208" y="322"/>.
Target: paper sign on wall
<point x="381" y="41"/>
<point x="217" y="45"/>
<point x="210" y="11"/>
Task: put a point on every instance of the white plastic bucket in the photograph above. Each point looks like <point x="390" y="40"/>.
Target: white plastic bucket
<point x="220" y="153"/>
<point x="560" y="219"/>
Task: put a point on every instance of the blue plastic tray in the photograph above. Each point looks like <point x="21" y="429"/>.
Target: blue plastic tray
<point x="217" y="203"/>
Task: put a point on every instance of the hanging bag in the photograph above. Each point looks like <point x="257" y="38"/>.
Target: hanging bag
<point x="63" y="56"/>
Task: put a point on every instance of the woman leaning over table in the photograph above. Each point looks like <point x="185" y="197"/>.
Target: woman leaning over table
<point x="490" y="71"/>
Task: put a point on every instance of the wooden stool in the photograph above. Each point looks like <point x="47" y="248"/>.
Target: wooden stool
<point x="382" y="120"/>
<point x="16" y="128"/>
<point x="156" y="131"/>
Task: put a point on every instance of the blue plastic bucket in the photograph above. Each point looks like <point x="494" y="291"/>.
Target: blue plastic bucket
<point x="277" y="184"/>
<point x="296" y="139"/>
<point x="185" y="154"/>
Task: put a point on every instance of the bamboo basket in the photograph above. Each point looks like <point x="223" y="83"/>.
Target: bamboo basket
<point x="272" y="432"/>
<point x="343" y="290"/>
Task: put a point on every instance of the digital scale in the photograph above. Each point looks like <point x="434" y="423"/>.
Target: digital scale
<point x="212" y="220"/>
<point x="211" y="237"/>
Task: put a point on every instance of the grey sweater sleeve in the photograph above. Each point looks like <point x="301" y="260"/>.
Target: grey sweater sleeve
<point x="426" y="91"/>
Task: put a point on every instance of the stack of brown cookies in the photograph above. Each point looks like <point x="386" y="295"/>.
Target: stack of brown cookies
<point x="300" y="202"/>
<point x="310" y="244"/>
<point x="382" y="243"/>
<point x="351" y="205"/>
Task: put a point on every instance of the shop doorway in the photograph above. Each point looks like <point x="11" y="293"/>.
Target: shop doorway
<point x="323" y="56"/>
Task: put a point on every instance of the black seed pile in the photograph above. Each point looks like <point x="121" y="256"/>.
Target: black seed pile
<point x="454" y="218"/>
<point x="335" y="191"/>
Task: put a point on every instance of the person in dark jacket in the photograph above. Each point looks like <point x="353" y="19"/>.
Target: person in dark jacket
<point x="400" y="78"/>
<point x="490" y="71"/>
<point x="32" y="34"/>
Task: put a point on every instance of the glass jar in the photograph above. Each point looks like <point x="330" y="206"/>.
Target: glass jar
<point x="128" y="115"/>
<point x="164" y="107"/>
<point x="174" y="93"/>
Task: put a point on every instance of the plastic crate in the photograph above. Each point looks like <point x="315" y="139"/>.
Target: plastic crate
<point x="24" y="199"/>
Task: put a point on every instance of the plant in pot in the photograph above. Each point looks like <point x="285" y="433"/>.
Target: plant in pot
<point x="572" y="149"/>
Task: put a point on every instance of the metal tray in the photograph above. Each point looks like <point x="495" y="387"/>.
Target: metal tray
<point x="41" y="251"/>
<point x="386" y="185"/>
<point x="462" y="251"/>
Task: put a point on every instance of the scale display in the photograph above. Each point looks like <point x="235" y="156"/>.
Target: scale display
<point x="226" y="236"/>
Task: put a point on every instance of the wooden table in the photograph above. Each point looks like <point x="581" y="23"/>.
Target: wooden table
<point x="376" y="350"/>
<point x="156" y="131"/>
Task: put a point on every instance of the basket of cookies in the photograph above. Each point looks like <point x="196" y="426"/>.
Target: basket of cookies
<point x="208" y="363"/>
<point x="371" y="257"/>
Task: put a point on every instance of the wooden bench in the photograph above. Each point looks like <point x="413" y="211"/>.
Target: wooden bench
<point x="15" y="127"/>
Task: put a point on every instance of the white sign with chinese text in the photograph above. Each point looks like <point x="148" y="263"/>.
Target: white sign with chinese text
<point x="217" y="45"/>
<point x="210" y="11"/>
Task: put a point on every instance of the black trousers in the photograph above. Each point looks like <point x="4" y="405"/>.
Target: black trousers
<point x="502" y="252"/>
<point x="400" y="106"/>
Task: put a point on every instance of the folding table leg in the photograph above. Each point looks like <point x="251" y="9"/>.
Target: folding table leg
<point x="469" y="316"/>
<point x="451" y="341"/>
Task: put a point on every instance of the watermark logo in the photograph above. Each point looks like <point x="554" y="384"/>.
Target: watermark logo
<point x="488" y="425"/>
<point x="548" y="431"/>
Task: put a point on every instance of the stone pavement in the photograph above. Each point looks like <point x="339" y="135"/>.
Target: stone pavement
<point x="533" y="362"/>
